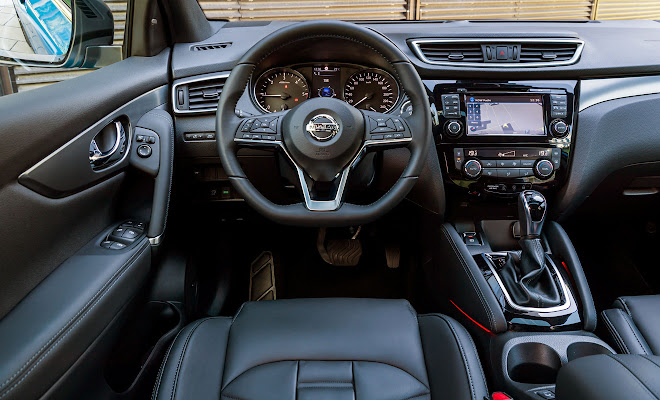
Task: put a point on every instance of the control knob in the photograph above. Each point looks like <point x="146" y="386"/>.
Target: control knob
<point x="559" y="128"/>
<point x="544" y="169"/>
<point x="472" y="169"/>
<point x="453" y="128"/>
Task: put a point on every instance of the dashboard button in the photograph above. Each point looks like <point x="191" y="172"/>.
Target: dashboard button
<point x="489" y="163"/>
<point x="472" y="168"/>
<point x="491" y="172"/>
<point x="144" y="151"/>
<point x="507" y="163"/>
<point x="527" y="163"/>
<point x="544" y="169"/>
<point x="524" y="172"/>
<point x="507" y="173"/>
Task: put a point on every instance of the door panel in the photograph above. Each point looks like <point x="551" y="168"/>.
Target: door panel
<point x="60" y="288"/>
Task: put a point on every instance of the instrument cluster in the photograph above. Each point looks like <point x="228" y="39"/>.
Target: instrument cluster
<point x="282" y="88"/>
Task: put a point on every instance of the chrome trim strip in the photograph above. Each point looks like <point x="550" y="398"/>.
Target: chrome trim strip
<point x="155" y="241"/>
<point x="578" y="51"/>
<point x="563" y="287"/>
<point x="595" y="91"/>
<point x="185" y="81"/>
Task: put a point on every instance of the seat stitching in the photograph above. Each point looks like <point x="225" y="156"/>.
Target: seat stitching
<point x="67" y="323"/>
<point x="162" y="366"/>
<point x="625" y="305"/>
<point x="615" y="334"/>
<point x="651" y="361"/>
<point x="327" y="381"/>
<point x="182" y="355"/>
<point x="642" y="383"/>
<point x="370" y="361"/>
<point x="114" y="279"/>
<point x="475" y="286"/>
<point x="231" y="397"/>
<point x="632" y="330"/>
<point x="460" y="347"/>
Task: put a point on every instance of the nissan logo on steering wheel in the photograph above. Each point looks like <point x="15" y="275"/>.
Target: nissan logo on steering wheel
<point x="322" y="127"/>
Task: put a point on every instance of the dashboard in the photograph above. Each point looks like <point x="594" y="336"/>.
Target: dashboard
<point x="364" y="87"/>
<point x="499" y="127"/>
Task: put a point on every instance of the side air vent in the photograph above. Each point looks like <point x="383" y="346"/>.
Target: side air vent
<point x="198" y="95"/>
<point x="498" y="53"/>
<point x="210" y="46"/>
<point x="547" y="52"/>
<point x="452" y="52"/>
<point x="86" y="9"/>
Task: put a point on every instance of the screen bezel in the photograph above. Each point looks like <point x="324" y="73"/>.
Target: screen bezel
<point x="512" y="95"/>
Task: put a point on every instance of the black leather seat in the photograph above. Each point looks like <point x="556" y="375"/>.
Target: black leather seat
<point x="323" y="349"/>
<point x="634" y="324"/>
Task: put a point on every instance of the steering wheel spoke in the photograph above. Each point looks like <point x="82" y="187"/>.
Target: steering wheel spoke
<point x="386" y="130"/>
<point x="260" y="131"/>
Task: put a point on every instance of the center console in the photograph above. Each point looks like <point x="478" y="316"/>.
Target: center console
<point x="503" y="138"/>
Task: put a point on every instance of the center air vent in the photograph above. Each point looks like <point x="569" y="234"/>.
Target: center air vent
<point x="547" y="52"/>
<point x="198" y="95"/>
<point x="498" y="53"/>
<point x="451" y="52"/>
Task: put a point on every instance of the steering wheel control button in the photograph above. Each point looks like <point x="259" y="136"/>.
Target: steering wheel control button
<point x="472" y="169"/>
<point x="544" y="169"/>
<point x="144" y="151"/>
<point x="322" y="127"/>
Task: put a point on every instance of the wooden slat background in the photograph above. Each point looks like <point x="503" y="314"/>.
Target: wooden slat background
<point x="253" y="10"/>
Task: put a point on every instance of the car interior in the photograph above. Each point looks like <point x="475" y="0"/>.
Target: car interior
<point x="326" y="209"/>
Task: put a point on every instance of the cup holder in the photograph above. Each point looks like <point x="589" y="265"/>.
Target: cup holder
<point x="583" y="349"/>
<point x="534" y="363"/>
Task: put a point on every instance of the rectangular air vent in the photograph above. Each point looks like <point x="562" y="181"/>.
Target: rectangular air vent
<point x="452" y="52"/>
<point x="498" y="53"/>
<point x="198" y="95"/>
<point x="535" y="52"/>
<point x="210" y="46"/>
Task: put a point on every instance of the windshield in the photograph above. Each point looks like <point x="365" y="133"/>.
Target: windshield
<point x="251" y="10"/>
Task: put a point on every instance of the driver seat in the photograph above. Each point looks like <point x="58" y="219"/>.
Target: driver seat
<point x="323" y="349"/>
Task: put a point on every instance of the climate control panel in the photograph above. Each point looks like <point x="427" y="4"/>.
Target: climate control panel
<point x="506" y="169"/>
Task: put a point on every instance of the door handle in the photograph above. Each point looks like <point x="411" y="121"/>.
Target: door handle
<point x="107" y="146"/>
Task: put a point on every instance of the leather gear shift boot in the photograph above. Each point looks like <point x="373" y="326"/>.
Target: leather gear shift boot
<point x="527" y="277"/>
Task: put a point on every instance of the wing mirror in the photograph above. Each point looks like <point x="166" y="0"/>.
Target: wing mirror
<point x="57" y="33"/>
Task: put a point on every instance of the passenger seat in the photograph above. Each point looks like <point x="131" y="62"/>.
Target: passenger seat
<point x="634" y="324"/>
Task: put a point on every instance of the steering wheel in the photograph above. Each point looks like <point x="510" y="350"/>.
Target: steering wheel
<point x="324" y="138"/>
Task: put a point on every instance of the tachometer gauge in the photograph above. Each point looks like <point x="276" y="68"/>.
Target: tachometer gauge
<point x="371" y="89"/>
<point x="280" y="89"/>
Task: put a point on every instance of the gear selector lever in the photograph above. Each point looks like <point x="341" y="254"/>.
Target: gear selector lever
<point x="526" y="275"/>
<point x="531" y="212"/>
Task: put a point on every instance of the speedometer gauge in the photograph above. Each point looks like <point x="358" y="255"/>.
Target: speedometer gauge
<point x="280" y="89"/>
<point x="371" y="89"/>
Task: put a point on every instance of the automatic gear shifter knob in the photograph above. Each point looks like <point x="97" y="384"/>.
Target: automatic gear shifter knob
<point x="531" y="212"/>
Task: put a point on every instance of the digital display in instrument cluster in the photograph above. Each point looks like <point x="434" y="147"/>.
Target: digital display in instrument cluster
<point x="326" y="81"/>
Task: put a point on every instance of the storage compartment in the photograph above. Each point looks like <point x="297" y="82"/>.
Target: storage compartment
<point x="533" y="363"/>
<point x="583" y="349"/>
<point x="136" y="356"/>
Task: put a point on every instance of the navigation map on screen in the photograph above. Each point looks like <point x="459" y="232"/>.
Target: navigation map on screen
<point x="505" y="115"/>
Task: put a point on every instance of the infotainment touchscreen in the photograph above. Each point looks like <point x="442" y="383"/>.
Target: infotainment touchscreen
<point x="510" y="115"/>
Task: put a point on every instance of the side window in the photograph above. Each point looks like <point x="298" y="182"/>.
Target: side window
<point x="38" y="29"/>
